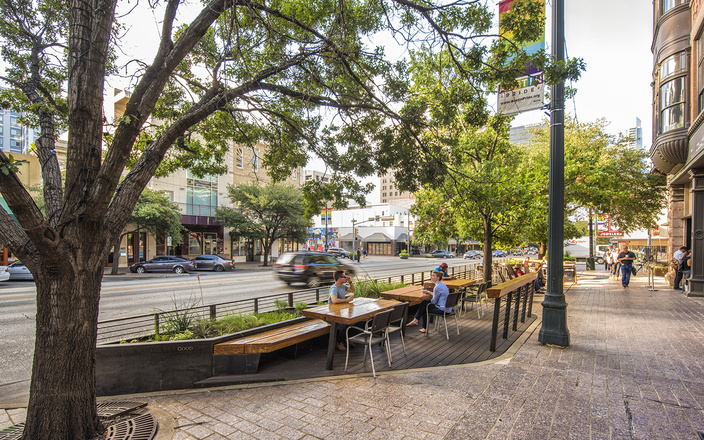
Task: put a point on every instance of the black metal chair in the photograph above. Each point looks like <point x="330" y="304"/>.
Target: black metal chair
<point x="452" y="300"/>
<point x="398" y="316"/>
<point x="376" y="333"/>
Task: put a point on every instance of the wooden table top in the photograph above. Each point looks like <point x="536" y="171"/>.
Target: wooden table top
<point x="411" y="294"/>
<point x="349" y="313"/>
<point x="459" y="283"/>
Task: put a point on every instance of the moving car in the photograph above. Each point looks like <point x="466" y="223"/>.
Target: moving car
<point x="443" y="254"/>
<point x="213" y="262"/>
<point x="163" y="263"/>
<point x="472" y="255"/>
<point x="499" y="253"/>
<point x="338" y="252"/>
<point x="18" y="271"/>
<point x="312" y="268"/>
<point x="4" y="274"/>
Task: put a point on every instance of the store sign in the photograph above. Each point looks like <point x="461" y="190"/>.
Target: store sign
<point x="609" y="229"/>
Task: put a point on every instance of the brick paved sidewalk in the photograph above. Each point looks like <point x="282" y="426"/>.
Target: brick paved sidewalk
<point x="633" y="371"/>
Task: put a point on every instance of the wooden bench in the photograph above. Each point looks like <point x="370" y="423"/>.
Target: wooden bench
<point x="273" y="340"/>
<point x="515" y="290"/>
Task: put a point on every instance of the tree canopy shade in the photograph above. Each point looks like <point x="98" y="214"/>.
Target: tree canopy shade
<point x="266" y="213"/>
<point x="240" y="71"/>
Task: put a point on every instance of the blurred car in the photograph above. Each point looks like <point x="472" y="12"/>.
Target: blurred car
<point x="312" y="268"/>
<point x="499" y="253"/>
<point x="338" y="252"/>
<point x="443" y="254"/>
<point x="213" y="262"/>
<point x="471" y="255"/>
<point x="163" y="263"/>
<point x="18" y="271"/>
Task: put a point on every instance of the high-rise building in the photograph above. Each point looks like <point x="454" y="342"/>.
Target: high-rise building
<point x="389" y="192"/>
<point x="14" y="137"/>
<point x="635" y="135"/>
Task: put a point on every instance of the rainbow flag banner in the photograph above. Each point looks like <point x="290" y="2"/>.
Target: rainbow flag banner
<point x="529" y="94"/>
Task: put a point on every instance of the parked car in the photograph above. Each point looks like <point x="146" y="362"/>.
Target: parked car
<point x="338" y="252"/>
<point x="312" y="268"/>
<point x="472" y="255"/>
<point x="443" y="254"/>
<point x="213" y="262"/>
<point x="163" y="263"/>
<point x="18" y="271"/>
<point x="4" y="273"/>
<point x="499" y="253"/>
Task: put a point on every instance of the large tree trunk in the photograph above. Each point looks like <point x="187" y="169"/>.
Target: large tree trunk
<point x="116" y="256"/>
<point x="488" y="244"/>
<point x="62" y="402"/>
<point x="542" y="250"/>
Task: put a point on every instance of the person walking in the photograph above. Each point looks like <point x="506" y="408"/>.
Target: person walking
<point x="626" y="258"/>
<point x="678" y="256"/>
<point x="615" y="265"/>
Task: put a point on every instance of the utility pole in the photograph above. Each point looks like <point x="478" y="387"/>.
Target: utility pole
<point x="554" y="329"/>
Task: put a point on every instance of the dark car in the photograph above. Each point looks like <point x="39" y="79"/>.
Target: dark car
<point x="163" y="263"/>
<point x="312" y="268"/>
<point x="443" y="254"/>
<point x="213" y="262"/>
<point x="471" y="255"/>
<point x="499" y="253"/>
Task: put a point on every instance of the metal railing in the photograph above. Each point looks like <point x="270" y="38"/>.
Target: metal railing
<point x="133" y="327"/>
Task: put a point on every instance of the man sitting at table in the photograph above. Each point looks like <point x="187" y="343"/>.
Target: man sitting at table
<point x="435" y="305"/>
<point x="443" y="268"/>
<point x="338" y="292"/>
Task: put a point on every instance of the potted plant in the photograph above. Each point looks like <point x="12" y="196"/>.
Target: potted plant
<point x="403" y="254"/>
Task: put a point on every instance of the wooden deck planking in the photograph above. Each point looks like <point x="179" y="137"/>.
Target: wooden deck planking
<point x="472" y="345"/>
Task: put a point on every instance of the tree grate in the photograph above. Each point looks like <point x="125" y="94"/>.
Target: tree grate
<point x="141" y="427"/>
<point x="115" y="408"/>
<point x="130" y="427"/>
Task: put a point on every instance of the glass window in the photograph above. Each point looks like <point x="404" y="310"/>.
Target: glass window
<point x="673" y="64"/>
<point x="669" y="4"/>
<point x="255" y="159"/>
<point x="202" y="196"/>
<point x="239" y="158"/>
<point x="672" y="104"/>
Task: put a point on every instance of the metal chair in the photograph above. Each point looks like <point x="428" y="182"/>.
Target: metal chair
<point x="477" y="297"/>
<point x="398" y="316"/>
<point x="451" y="302"/>
<point x="372" y="335"/>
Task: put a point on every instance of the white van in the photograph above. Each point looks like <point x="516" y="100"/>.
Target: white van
<point x="579" y="248"/>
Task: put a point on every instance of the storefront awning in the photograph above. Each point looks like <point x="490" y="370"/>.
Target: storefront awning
<point x="377" y="237"/>
<point x="346" y="237"/>
<point x="402" y="237"/>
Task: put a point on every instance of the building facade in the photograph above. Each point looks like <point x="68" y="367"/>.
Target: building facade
<point x="678" y="123"/>
<point x="15" y="138"/>
<point x="389" y="192"/>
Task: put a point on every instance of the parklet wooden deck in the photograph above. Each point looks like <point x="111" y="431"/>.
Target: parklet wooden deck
<point x="471" y="345"/>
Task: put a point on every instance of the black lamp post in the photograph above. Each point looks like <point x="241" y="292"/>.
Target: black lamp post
<point x="554" y="329"/>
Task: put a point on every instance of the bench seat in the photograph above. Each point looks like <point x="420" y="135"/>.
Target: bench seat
<point x="273" y="340"/>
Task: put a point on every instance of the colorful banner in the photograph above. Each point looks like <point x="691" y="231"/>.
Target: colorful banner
<point x="323" y="214"/>
<point x="529" y="94"/>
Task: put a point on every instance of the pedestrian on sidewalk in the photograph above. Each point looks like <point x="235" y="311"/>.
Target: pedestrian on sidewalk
<point x="615" y="265"/>
<point x="678" y="256"/>
<point x="626" y="258"/>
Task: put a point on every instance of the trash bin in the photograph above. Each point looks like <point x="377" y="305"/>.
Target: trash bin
<point x="591" y="264"/>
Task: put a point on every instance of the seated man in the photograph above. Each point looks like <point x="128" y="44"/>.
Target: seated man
<point x="538" y="283"/>
<point x="443" y="269"/>
<point x="435" y="305"/>
<point x="337" y="295"/>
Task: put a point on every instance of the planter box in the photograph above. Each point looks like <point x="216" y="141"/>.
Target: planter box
<point x="660" y="271"/>
<point x="158" y="366"/>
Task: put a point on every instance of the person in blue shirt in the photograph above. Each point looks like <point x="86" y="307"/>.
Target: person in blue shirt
<point x="443" y="269"/>
<point x="435" y="305"/>
<point x="338" y="295"/>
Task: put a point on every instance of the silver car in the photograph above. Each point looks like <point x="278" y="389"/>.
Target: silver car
<point x="18" y="271"/>
<point x="213" y="262"/>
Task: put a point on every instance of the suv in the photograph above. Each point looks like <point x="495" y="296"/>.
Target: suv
<point x="312" y="268"/>
<point x="338" y="252"/>
<point x="163" y="263"/>
<point x="472" y="255"/>
<point x="443" y="254"/>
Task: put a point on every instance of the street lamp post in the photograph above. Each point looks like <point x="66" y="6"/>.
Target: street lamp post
<point x="554" y="329"/>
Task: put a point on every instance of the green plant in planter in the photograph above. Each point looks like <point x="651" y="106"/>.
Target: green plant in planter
<point x="280" y="305"/>
<point x="403" y="254"/>
<point x="300" y="306"/>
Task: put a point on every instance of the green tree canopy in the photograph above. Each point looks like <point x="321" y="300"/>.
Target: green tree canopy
<point x="266" y="213"/>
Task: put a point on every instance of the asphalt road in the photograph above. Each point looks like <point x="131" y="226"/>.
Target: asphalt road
<point x="132" y="294"/>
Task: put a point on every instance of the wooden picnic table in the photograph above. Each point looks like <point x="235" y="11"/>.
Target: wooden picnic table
<point x="459" y="283"/>
<point x="358" y="310"/>
<point x="411" y="294"/>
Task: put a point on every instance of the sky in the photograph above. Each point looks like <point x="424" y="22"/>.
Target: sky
<point x="612" y="36"/>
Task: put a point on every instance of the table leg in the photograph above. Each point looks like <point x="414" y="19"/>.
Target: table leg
<point x="332" y="342"/>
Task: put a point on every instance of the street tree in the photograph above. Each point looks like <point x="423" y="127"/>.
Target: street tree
<point x="603" y="175"/>
<point x="155" y="213"/>
<point x="266" y="213"/>
<point x="305" y="78"/>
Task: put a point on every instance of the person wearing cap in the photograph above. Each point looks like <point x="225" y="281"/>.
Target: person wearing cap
<point x="443" y="268"/>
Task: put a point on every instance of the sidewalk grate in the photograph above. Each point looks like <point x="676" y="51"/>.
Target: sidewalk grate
<point x="137" y="427"/>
